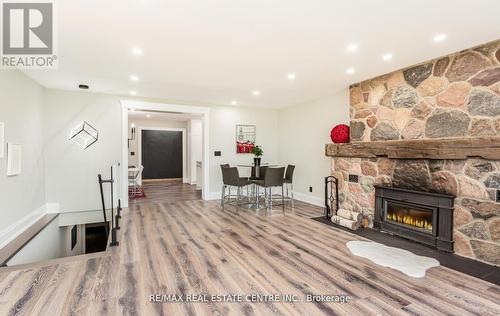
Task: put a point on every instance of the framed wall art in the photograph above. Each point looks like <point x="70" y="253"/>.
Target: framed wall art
<point x="14" y="159"/>
<point x="245" y="138"/>
<point x="2" y="141"/>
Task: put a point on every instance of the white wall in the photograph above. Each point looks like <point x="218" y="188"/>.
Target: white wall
<point x="303" y="132"/>
<point x="52" y="242"/>
<point x="21" y="109"/>
<point x="71" y="173"/>
<point x="223" y="122"/>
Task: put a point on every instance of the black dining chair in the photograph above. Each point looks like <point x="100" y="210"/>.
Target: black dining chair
<point x="288" y="182"/>
<point x="231" y="178"/>
<point x="274" y="177"/>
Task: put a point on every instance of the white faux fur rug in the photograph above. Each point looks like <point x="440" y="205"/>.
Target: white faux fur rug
<point x="399" y="259"/>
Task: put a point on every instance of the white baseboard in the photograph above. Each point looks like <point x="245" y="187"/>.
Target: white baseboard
<point x="212" y="196"/>
<point x="314" y="200"/>
<point x="15" y="229"/>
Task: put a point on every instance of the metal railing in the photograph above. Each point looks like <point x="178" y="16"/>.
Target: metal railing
<point x="114" y="224"/>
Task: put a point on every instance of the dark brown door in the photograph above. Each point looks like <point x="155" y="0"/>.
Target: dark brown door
<point x="161" y="154"/>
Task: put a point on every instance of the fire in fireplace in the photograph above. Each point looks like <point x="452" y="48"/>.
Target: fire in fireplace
<point x="421" y="216"/>
<point x="410" y="216"/>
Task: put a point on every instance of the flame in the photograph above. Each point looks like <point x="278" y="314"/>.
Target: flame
<point x="410" y="220"/>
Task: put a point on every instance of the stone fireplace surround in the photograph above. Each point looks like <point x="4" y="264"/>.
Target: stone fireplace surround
<point x="456" y="96"/>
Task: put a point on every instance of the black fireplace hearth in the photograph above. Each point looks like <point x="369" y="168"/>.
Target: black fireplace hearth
<point x="424" y="217"/>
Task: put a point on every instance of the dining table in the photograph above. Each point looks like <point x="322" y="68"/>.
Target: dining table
<point x="251" y="165"/>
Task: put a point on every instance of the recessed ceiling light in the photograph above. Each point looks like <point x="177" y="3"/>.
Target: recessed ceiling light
<point x="291" y="76"/>
<point x="234" y="102"/>
<point x="136" y="51"/>
<point x="439" y="37"/>
<point x="148" y="115"/>
<point x="256" y="92"/>
<point x="387" y="56"/>
<point x="134" y="78"/>
<point x="132" y="125"/>
<point x="133" y="92"/>
<point x="352" y="47"/>
<point x="350" y="71"/>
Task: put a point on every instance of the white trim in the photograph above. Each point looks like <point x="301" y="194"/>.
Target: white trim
<point x="173" y="129"/>
<point x="314" y="200"/>
<point x="192" y="163"/>
<point x="213" y="196"/>
<point x="124" y="160"/>
<point x="15" y="229"/>
<point x="162" y="107"/>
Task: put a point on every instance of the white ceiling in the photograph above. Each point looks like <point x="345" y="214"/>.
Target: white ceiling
<point x="216" y="51"/>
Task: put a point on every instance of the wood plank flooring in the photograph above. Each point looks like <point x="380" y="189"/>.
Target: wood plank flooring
<point x="193" y="247"/>
<point x="164" y="191"/>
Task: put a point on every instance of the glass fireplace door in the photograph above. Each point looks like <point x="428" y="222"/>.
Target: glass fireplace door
<point x="410" y="216"/>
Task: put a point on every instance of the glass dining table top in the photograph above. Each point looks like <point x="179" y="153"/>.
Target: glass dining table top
<point x="250" y="165"/>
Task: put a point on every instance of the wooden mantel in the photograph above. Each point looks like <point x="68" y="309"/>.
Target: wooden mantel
<point x="449" y="148"/>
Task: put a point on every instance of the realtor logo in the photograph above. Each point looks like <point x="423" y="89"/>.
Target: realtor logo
<point x="28" y="35"/>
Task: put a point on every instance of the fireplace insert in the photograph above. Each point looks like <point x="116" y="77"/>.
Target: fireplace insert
<point x="420" y="216"/>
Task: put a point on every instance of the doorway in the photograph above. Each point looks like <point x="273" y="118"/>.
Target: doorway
<point x="153" y="135"/>
<point x="161" y="154"/>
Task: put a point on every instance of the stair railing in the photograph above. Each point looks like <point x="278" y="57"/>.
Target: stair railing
<point x="114" y="221"/>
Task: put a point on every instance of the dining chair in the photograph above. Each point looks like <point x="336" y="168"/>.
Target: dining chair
<point x="288" y="181"/>
<point x="133" y="181"/>
<point x="231" y="178"/>
<point x="222" y="166"/>
<point x="274" y="177"/>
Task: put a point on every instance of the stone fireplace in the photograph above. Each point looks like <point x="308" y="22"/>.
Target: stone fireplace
<point x="449" y="110"/>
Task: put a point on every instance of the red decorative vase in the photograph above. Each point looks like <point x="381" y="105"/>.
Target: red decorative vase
<point x="340" y="134"/>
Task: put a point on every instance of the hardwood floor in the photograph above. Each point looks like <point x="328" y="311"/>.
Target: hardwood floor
<point x="194" y="247"/>
<point x="167" y="191"/>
